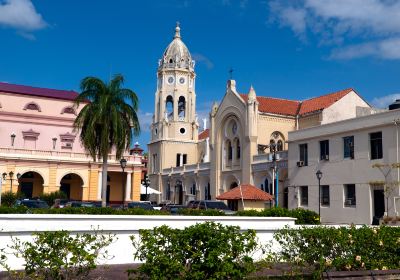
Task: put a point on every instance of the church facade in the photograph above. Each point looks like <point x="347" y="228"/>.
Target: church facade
<point x="247" y="140"/>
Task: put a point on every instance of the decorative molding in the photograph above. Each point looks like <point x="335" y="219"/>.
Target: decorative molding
<point x="67" y="137"/>
<point x="30" y="134"/>
<point x="32" y="106"/>
<point x="68" y="110"/>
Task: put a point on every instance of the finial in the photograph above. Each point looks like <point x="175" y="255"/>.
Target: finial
<point x="177" y="30"/>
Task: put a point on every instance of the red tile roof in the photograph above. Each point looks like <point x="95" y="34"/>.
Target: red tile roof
<point x="322" y="102"/>
<point x="249" y="192"/>
<point x="204" y="134"/>
<point x="35" y="91"/>
<point x="276" y="105"/>
<point x="293" y="107"/>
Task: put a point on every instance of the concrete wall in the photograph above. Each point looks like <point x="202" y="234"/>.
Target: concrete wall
<point x="23" y="226"/>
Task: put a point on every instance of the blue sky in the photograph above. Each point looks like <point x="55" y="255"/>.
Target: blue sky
<point x="287" y="49"/>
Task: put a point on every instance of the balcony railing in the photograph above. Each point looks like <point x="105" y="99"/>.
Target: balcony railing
<point x="283" y="155"/>
<point x="187" y="168"/>
<point x="60" y="155"/>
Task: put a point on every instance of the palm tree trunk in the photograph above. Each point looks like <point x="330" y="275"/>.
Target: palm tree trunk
<point x="104" y="182"/>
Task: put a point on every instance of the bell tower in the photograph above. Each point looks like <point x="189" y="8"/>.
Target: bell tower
<point x="175" y="100"/>
<point x="174" y="129"/>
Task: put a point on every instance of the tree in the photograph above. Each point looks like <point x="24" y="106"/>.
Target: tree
<point x="107" y="120"/>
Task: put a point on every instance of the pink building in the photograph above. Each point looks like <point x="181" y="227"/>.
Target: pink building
<point x="38" y="144"/>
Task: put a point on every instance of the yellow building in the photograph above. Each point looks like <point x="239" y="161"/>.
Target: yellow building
<point x="40" y="153"/>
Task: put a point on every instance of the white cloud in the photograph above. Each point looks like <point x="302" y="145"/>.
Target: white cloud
<point x="22" y="16"/>
<point x="203" y="59"/>
<point x="145" y="119"/>
<point x="375" y="23"/>
<point x="385" y="101"/>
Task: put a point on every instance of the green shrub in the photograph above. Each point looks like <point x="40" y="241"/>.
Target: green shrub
<point x="50" y="197"/>
<point x="59" y="255"/>
<point x="13" y="210"/>
<point x="344" y="248"/>
<point x="203" y="251"/>
<point x="9" y="198"/>
<point x="198" y="212"/>
<point x="303" y="216"/>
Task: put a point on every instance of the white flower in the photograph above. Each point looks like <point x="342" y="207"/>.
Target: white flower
<point x="358" y="258"/>
<point x="328" y="261"/>
<point x="374" y="231"/>
<point x="384" y="268"/>
<point x="380" y="243"/>
<point x="348" y="266"/>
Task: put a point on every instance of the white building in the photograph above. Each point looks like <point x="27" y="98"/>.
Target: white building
<point x="347" y="152"/>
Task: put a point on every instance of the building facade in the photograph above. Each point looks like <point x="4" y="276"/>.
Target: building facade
<point x="187" y="164"/>
<point x="359" y="161"/>
<point x="40" y="152"/>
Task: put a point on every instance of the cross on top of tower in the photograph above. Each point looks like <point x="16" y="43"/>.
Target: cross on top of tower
<point x="230" y="73"/>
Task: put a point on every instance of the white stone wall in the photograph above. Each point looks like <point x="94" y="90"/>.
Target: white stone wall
<point x="23" y="226"/>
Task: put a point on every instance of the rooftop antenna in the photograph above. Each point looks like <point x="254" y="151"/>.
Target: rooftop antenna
<point x="231" y="73"/>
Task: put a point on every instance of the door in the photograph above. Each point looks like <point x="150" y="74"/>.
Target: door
<point x="379" y="203"/>
<point x="27" y="189"/>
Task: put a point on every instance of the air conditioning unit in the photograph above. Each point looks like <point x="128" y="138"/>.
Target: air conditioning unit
<point x="348" y="202"/>
<point x="325" y="157"/>
<point x="300" y="163"/>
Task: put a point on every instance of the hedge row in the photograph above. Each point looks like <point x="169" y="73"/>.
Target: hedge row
<point x="303" y="216"/>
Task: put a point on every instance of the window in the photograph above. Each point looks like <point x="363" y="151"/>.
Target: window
<point x="155" y="163"/>
<point x="207" y="192"/>
<point x="304" y="153"/>
<point x="184" y="158"/>
<point x="168" y="192"/>
<point x="304" y="196"/>
<point x="169" y="107"/>
<point x="376" y="145"/>
<point x="324" y="150"/>
<point x="229" y="147"/>
<point x="181" y="107"/>
<point x="32" y="106"/>
<point x="178" y="159"/>
<point x="348" y="147"/>
<point x="237" y="149"/>
<point x="193" y="189"/>
<point x="349" y="195"/>
<point x="325" y="200"/>
<point x="279" y="146"/>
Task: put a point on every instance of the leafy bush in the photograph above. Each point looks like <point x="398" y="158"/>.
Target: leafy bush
<point x="203" y="251"/>
<point x="303" y="216"/>
<point x="50" y="197"/>
<point x="13" y="210"/>
<point x="58" y="255"/>
<point x="199" y="212"/>
<point x="9" y="198"/>
<point x="344" y="248"/>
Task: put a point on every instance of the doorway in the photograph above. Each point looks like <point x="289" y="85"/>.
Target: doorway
<point x="27" y="189"/>
<point x="379" y="203"/>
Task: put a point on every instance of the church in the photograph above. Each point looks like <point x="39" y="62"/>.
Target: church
<point x="246" y="143"/>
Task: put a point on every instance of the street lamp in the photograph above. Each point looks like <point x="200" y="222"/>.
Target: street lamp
<point x="275" y="178"/>
<point x="11" y="178"/>
<point x="122" y="162"/>
<point x="319" y="176"/>
<point x="146" y="183"/>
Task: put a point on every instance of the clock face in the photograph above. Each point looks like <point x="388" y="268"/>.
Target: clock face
<point x="170" y="80"/>
<point x="182" y="80"/>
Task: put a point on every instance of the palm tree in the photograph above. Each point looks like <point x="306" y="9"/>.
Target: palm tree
<point x="107" y="120"/>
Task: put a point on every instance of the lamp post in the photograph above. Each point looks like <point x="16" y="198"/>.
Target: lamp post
<point x="122" y="162"/>
<point x="146" y="183"/>
<point x="319" y="176"/>
<point x="275" y="175"/>
<point x="11" y="178"/>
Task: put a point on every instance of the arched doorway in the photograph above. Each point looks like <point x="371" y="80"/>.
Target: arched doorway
<point x="178" y="194"/>
<point x="31" y="184"/>
<point x="71" y="184"/>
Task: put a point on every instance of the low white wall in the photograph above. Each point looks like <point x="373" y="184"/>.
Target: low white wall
<point x="23" y="226"/>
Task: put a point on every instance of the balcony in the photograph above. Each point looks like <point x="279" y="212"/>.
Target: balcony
<point x="283" y="155"/>
<point x="187" y="168"/>
<point x="50" y="155"/>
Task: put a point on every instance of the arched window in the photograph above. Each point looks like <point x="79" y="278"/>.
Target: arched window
<point x="279" y="146"/>
<point x="237" y="148"/>
<point x="193" y="189"/>
<point x="181" y="107"/>
<point x="271" y="143"/>
<point x="68" y="110"/>
<point x="32" y="106"/>
<point x="169" y="107"/>
<point x="267" y="188"/>
<point x="229" y="149"/>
